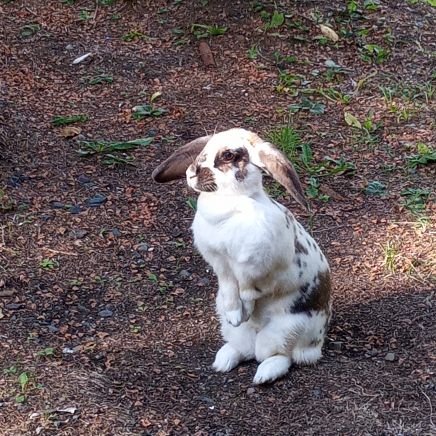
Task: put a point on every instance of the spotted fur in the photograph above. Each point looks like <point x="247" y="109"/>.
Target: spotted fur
<point x="273" y="295"/>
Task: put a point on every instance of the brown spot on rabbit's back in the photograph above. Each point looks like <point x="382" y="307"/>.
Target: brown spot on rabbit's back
<point x="316" y="297"/>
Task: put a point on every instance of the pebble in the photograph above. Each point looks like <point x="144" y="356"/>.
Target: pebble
<point x="75" y="209"/>
<point x="390" y="357"/>
<point x="142" y="246"/>
<point x="97" y="200"/>
<point x="78" y="233"/>
<point x="116" y="233"/>
<point x="57" y="205"/>
<point x="251" y="391"/>
<point x="184" y="274"/>
<point x="14" y="306"/>
<point x="335" y="345"/>
<point x="105" y="313"/>
<point x="84" y="180"/>
<point x="69" y="47"/>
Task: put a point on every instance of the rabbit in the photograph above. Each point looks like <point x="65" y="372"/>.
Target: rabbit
<point x="273" y="298"/>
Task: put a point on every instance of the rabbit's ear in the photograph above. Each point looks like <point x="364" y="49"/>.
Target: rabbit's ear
<point x="176" y="165"/>
<point x="275" y="164"/>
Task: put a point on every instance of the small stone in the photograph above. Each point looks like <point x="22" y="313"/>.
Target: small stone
<point x="184" y="274"/>
<point x="335" y="345"/>
<point x="57" y="205"/>
<point x="84" y="180"/>
<point x="390" y="357"/>
<point x="69" y="47"/>
<point x="52" y="328"/>
<point x="97" y="200"/>
<point x="105" y="313"/>
<point x="14" y="306"/>
<point x="203" y="282"/>
<point x="251" y="391"/>
<point x="142" y="247"/>
<point x="75" y="209"/>
<point x="116" y="233"/>
<point x="78" y="233"/>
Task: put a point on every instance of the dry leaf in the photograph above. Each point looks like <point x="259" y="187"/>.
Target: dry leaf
<point x="329" y="33"/>
<point x="70" y="131"/>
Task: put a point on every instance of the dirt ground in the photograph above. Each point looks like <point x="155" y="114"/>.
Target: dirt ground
<point x="107" y="323"/>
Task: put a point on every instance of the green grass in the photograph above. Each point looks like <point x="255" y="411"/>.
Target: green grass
<point x="113" y="153"/>
<point x="390" y="254"/>
<point x="207" y="31"/>
<point x="64" y="120"/>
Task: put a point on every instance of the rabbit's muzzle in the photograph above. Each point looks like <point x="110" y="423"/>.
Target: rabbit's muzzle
<point x="205" y="180"/>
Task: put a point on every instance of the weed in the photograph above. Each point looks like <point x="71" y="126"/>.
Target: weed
<point x="313" y="107"/>
<point x="192" y="203"/>
<point x="84" y="15"/>
<point x="148" y="110"/>
<point x="425" y="156"/>
<point x="112" y="152"/>
<point x="277" y="20"/>
<point x="390" y="254"/>
<point x="368" y="127"/>
<point x="11" y="370"/>
<point x="288" y="82"/>
<point x="287" y="140"/>
<point x="106" y="2"/>
<point x="274" y="189"/>
<point x="6" y="204"/>
<point x="333" y="94"/>
<point x="313" y="191"/>
<point x="374" y="53"/>
<point x="375" y="188"/>
<point x="47" y="352"/>
<point x="61" y="120"/>
<point x="253" y="52"/>
<point x="48" y="264"/>
<point x="29" y="30"/>
<point x="134" y="35"/>
<point x="99" y="79"/>
<point x="207" y="31"/>
<point x="371" y="5"/>
<point x="415" y="200"/>
<point x="283" y="60"/>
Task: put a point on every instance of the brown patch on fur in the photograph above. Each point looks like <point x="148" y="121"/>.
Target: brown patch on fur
<point x="240" y="161"/>
<point x="206" y="180"/>
<point x="317" y="298"/>
<point x="300" y="248"/>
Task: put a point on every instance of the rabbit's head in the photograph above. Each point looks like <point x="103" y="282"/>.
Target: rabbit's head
<point x="230" y="162"/>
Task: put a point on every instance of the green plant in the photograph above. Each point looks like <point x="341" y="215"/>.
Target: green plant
<point x="288" y="82"/>
<point x="313" y="107"/>
<point x="390" y="254"/>
<point x="134" y="35"/>
<point x="84" y="15"/>
<point x="334" y="95"/>
<point x="113" y="152"/>
<point x="374" y="53"/>
<point x="277" y="19"/>
<point x="415" y="200"/>
<point x="48" y="264"/>
<point x="99" y="79"/>
<point x="29" y="30"/>
<point x="61" y="120"/>
<point x="106" y="2"/>
<point x="284" y="59"/>
<point x="375" y="188"/>
<point x="371" y="5"/>
<point x="47" y="352"/>
<point x="287" y="140"/>
<point x="149" y="109"/>
<point x="23" y="381"/>
<point x="253" y="52"/>
<point x="192" y="203"/>
<point x="313" y="191"/>
<point x="206" y="31"/>
<point x="425" y="156"/>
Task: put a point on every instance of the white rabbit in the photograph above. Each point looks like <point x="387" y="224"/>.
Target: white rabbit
<point x="273" y="297"/>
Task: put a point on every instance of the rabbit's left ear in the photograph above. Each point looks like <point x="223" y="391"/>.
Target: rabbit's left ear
<point x="176" y="165"/>
<point x="274" y="163"/>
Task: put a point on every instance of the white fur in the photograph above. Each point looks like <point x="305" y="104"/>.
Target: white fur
<point x="248" y="240"/>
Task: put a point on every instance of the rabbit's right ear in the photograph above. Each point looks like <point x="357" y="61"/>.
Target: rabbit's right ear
<point x="176" y="165"/>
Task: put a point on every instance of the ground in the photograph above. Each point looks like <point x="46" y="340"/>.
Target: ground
<point x="107" y="321"/>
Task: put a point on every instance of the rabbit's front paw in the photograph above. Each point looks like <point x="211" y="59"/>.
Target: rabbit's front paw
<point x="235" y="317"/>
<point x="226" y="359"/>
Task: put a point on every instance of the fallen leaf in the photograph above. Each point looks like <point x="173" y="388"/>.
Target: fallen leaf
<point x="352" y="121"/>
<point x="329" y="33"/>
<point x="70" y="131"/>
<point x="1" y="314"/>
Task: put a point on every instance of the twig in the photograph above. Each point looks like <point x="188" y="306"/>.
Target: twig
<point x="61" y="252"/>
<point x="431" y="408"/>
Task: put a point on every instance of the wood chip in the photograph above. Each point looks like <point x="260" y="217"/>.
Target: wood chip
<point x="206" y="54"/>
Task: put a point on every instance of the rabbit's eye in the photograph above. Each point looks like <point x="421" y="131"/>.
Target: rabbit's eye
<point x="228" y="155"/>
